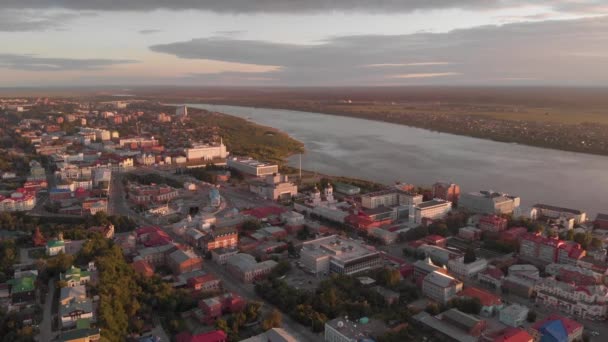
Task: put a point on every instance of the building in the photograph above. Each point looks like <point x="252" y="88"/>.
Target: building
<point x="453" y="325"/>
<point x="75" y="276"/>
<point x="182" y="261"/>
<point x="440" y="287"/>
<point x="587" y="302"/>
<point x="272" y="335"/>
<point x="206" y="152"/>
<point x="439" y="255"/>
<point x="544" y="211"/>
<point x="17" y="202"/>
<point x="524" y="271"/>
<point x="539" y="248"/>
<point x="347" y="189"/>
<point x="558" y="328"/>
<point x="520" y="286"/>
<point x="469" y="233"/>
<point x="434" y="209"/>
<point x="344" y="330"/>
<point x="155" y="256"/>
<point x="247" y="269"/>
<point x="227" y="237"/>
<point x="574" y="274"/>
<point x="510" y="334"/>
<point x="214" y="307"/>
<point x="334" y="254"/>
<point x="489" y="202"/>
<point x="464" y="270"/>
<point x="212" y="336"/>
<point x="54" y="247"/>
<point x="384" y="198"/>
<point x="221" y="255"/>
<point x="152" y="194"/>
<point x="446" y="191"/>
<point x="424" y="267"/>
<point x="74" y="311"/>
<point x="492" y="277"/>
<point x="513" y="315"/>
<point x="68" y="294"/>
<point x="204" y="283"/>
<point x="493" y="223"/>
<point x="143" y="267"/>
<point x="275" y="187"/>
<point x="22" y="290"/>
<point x="81" y="335"/>
<point x="490" y="303"/>
<point x="570" y="253"/>
<point x="601" y="222"/>
<point x="252" y="167"/>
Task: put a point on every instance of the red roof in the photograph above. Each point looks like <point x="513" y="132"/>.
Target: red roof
<point x="486" y="298"/>
<point x="143" y="267"/>
<point x="495" y="273"/>
<point x="201" y="279"/>
<point x="214" y="336"/>
<point x="146" y="230"/>
<point x="264" y="212"/>
<point x="434" y="238"/>
<point x="570" y="325"/>
<point x="511" y="335"/>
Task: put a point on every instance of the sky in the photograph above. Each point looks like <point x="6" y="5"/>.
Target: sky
<point x="303" y="42"/>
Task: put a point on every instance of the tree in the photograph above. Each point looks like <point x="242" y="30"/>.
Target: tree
<point x="596" y="243"/>
<point x="280" y="269"/>
<point x="251" y="225"/>
<point x="469" y="255"/>
<point x="273" y="320"/>
<point x="531" y="316"/>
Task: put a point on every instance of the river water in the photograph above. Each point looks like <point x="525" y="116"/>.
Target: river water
<point x="386" y="153"/>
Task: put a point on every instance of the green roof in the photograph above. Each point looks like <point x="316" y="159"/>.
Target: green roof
<point x="74" y="273"/>
<point x="79" y="334"/>
<point x="55" y="243"/>
<point x="24" y="284"/>
<point x="83" y="323"/>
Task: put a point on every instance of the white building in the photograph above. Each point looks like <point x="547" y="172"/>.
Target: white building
<point x="206" y="151"/>
<point x="274" y="186"/>
<point x="463" y="270"/>
<point x="513" y="315"/>
<point x="434" y="210"/>
<point x="440" y="287"/>
<point x="586" y="302"/>
<point x="385" y="198"/>
<point x="334" y="254"/>
<point x="489" y="202"/>
<point x="553" y="212"/>
<point x="252" y="167"/>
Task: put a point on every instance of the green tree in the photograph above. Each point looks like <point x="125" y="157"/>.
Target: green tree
<point x="531" y="316"/>
<point x="251" y="225"/>
<point x="469" y="255"/>
<point x="273" y="320"/>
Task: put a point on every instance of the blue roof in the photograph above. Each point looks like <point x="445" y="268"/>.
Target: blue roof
<point x="553" y="331"/>
<point x="56" y="190"/>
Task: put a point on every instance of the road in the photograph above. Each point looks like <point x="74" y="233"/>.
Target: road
<point x="46" y="332"/>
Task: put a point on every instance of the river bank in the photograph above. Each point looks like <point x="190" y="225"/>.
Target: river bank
<point x="384" y="153"/>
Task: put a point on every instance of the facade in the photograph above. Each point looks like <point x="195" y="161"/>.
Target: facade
<point x="493" y="223"/>
<point x="463" y="270"/>
<point x="587" y="302"/>
<point x="247" y="269"/>
<point x="492" y="277"/>
<point x="446" y="191"/>
<point x="489" y="202"/>
<point x="221" y="238"/>
<point x="152" y="194"/>
<point x="275" y="187"/>
<point x="385" y="198"/>
<point x="490" y="303"/>
<point x="434" y="209"/>
<point x="513" y="315"/>
<point x="252" y="167"/>
<point x="74" y="311"/>
<point x="574" y="274"/>
<point x="205" y="283"/>
<point x="81" y="335"/>
<point x="540" y="211"/>
<point x="347" y="189"/>
<point x="440" y="287"/>
<point x="75" y="276"/>
<point x="334" y="254"/>
<point x="206" y="152"/>
<point x="54" y="247"/>
<point x="221" y="255"/>
<point x="184" y="261"/>
<point x="540" y="248"/>
<point x="469" y="233"/>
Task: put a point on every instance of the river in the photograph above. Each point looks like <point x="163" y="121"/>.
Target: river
<point x="386" y="153"/>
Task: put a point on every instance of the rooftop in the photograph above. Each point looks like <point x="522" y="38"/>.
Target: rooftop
<point x="570" y="325"/>
<point x="432" y="203"/>
<point x="486" y="298"/>
<point x="440" y="279"/>
<point x="443" y="327"/>
<point x="560" y="209"/>
<point x="337" y="247"/>
<point x="358" y="330"/>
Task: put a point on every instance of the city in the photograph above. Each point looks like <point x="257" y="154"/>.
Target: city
<point x="215" y="245"/>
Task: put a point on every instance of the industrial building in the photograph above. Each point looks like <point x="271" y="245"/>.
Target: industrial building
<point x="334" y="254"/>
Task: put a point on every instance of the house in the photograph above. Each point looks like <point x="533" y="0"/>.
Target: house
<point x="204" y="283"/>
<point x="22" y="290"/>
<point x="390" y="297"/>
<point x="75" y="310"/>
<point x="69" y="294"/>
<point x="54" y="247"/>
<point x="440" y="287"/>
<point x="75" y="276"/>
<point x="214" y="307"/>
<point x="465" y="270"/>
<point x="81" y="335"/>
<point x="490" y="303"/>
<point x="221" y="255"/>
<point x="558" y="328"/>
<point x="247" y="269"/>
<point x="508" y="335"/>
<point x="143" y="267"/>
<point x="491" y="277"/>
<point x="227" y="237"/>
<point x="184" y="261"/>
<point x="469" y="233"/>
<point x="453" y="325"/>
<point x="513" y="315"/>
<point x="492" y="223"/>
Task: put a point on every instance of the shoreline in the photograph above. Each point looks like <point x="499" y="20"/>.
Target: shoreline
<point x="426" y="127"/>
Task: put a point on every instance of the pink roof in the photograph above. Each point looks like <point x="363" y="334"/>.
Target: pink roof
<point x="495" y="273"/>
<point x="214" y="336"/>
<point x="486" y="298"/>
<point x="146" y="230"/>
<point x="570" y="325"/>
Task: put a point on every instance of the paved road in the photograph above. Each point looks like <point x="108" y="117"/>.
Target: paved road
<point x="46" y="334"/>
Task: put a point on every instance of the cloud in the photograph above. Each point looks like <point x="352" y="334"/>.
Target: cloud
<point x="426" y="75"/>
<point x="35" y="63"/>
<point x="302" y="6"/>
<point x="563" y="52"/>
<point x="20" y="21"/>
<point x="149" y="31"/>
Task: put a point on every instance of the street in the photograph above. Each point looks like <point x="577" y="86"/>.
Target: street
<point x="46" y="334"/>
